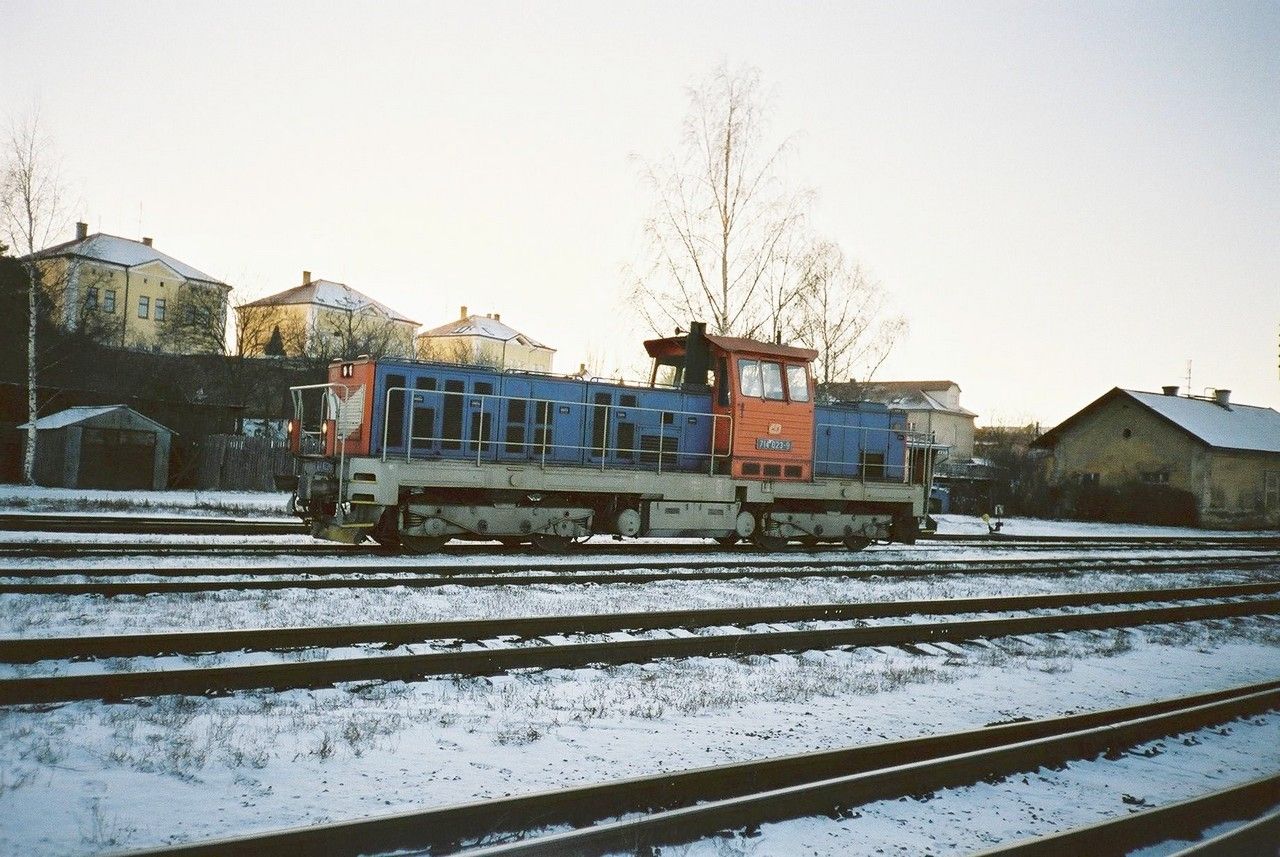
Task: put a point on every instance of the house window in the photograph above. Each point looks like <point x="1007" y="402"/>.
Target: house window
<point x="91" y="300"/>
<point x="109" y="301"/>
<point x="144" y="307"/>
<point x="189" y="314"/>
<point x="160" y="302"/>
<point x="1271" y="481"/>
<point x="1157" y="477"/>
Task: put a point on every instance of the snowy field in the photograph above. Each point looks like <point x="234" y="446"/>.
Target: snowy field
<point x="87" y="777"/>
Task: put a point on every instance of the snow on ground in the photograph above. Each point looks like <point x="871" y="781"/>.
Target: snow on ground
<point x="969" y="525"/>
<point x="68" y="615"/>
<point x="84" y="777"/>
<point x="34" y="498"/>
<point x="982" y="816"/>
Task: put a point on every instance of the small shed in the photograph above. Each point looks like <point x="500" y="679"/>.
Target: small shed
<point x="101" y="446"/>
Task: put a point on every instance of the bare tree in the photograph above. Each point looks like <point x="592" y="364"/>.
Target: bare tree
<point x="721" y="216"/>
<point x="270" y="330"/>
<point x="841" y="315"/>
<point x="195" y="321"/>
<point x="31" y="213"/>
<point x="355" y="329"/>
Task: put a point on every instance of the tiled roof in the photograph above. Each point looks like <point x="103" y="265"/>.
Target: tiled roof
<point x="327" y="293"/>
<point x="124" y="252"/>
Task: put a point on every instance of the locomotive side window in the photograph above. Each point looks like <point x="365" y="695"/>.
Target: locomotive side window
<point x="722" y="381"/>
<point x="772" y="376"/>
<point x="797" y="383"/>
<point x="749" y="378"/>
<point x="395" y="410"/>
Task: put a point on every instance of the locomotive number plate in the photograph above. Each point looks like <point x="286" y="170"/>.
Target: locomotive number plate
<point x="774" y="444"/>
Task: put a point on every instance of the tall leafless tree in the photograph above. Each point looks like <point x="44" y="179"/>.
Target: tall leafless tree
<point x="31" y="214"/>
<point x="721" y="216"/>
<point x="841" y="314"/>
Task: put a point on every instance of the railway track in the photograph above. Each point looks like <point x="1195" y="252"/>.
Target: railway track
<point x="18" y="580"/>
<point x="486" y="660"/>
<point x="634" y="815"/>
<point x="188" y="525"/>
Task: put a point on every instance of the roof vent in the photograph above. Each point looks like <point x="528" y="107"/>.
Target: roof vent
<point x="1170" y="390"/>
<point x="82" y="231"/>
<point x="306" y="278"/>
<point x="1223" y="398"/>
<point x="146" y="240"/>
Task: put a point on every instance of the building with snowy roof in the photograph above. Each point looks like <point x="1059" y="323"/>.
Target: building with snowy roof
<point x="101" y="446"/>
<point x="484" y="340"/>
<point x="127" y="293"/>
<point x="324" y="319"/>
<point x="1225" y="455"/>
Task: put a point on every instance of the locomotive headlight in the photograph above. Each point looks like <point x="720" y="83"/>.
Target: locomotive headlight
<point x="324" y="429"/>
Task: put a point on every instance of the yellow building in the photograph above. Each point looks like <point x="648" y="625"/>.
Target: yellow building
<point x="484" y="340"/>
<point x="127" y="293"/>
<point x="323" y="319"/>
<point x="1223" y="456"/>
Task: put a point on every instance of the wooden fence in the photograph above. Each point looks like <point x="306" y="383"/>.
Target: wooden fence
<point x="231" y="462"/>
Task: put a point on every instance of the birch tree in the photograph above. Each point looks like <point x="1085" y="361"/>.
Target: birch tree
<point x="721" y="216"/>
<point x="841" y="314"/>
<point x="31" y="214"/>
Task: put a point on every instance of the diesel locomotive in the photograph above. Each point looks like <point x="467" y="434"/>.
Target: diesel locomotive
<point x="725" y="441"/>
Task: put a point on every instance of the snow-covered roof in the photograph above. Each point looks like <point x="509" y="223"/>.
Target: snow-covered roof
<point x="81" y="413"/>
<point x="124" y="252"/>
<point x="485" y="327"/>
<point x="903" y="395"/>
<point x="327" y="293"/>
<point x="1230" y="427"/>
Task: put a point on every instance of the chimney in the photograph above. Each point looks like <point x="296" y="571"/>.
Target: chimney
<point x="1170" y="390"/>
<point x="464" y="312"/>
<point x="146" y="240"/>
<point x="497" y="316"/>
<point x="1223" y="398"/>
<point x="306" y="278"/>
<point x="82" y="231"/>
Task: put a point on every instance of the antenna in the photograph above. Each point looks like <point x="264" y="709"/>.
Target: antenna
<point x="1188" y="376"/>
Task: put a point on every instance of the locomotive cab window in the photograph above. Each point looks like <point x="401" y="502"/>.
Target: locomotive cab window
<point x="722" y="381"/>
<point x="797" y="383"/>
<point x="771" y="375"/>
<point x="749" y="378"/>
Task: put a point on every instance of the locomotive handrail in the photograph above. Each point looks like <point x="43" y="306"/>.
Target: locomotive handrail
<point x="886" y="467"/>
<point x="603" y="448"/>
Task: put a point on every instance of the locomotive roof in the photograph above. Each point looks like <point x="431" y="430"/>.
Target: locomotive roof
<point x="732" y="344"/>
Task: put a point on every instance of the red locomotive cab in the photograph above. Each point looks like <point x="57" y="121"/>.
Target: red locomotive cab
<point x="762" y="395"/>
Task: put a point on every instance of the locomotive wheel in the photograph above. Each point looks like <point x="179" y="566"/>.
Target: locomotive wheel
<point x="856" y="543"/>
<point x="769" y="543"/>
<point x="727" y="541"/>
<point x="551" y="543"/>
<point x="422" y="544"/>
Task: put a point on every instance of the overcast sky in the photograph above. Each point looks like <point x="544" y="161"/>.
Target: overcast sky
<point x="1060" y="197"/>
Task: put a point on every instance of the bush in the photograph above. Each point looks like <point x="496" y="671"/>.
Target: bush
<point x="1132" y="502"/>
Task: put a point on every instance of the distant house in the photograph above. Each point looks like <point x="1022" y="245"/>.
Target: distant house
<point x="127" y="293"/>
<point x="323" y="319"/>
<point x="484" y="340"/>
<point x="103" y="446"/>
<point x="1224" y="456"/>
